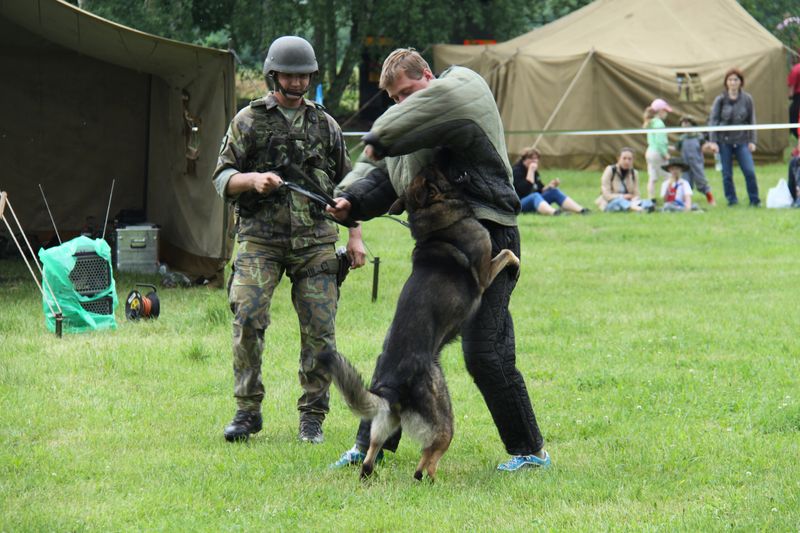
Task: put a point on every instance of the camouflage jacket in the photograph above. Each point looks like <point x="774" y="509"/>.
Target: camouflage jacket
<point x="261" y="139"/>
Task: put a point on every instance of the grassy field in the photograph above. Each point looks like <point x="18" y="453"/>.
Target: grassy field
<point x="660" y="351"/>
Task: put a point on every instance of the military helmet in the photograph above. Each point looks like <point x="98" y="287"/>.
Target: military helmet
<point x="291" y="55"/>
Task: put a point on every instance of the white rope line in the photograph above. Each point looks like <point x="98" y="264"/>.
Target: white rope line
<point x="676" y="129"/>
<point x="33" y="256"/>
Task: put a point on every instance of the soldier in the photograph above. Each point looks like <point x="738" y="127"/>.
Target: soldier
<point x="283" y="136"/>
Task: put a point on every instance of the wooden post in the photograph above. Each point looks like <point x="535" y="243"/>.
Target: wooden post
<point x="2" y="202"/>
<point x="375" y="276"/>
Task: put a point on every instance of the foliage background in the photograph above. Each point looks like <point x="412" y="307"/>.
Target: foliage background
<point x="337" y="28"/>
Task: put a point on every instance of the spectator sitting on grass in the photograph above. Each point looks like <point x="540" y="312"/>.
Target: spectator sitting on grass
<point x="676" y="191"/>
<point x="619" y="187"/>
<point x="533" y="194"/>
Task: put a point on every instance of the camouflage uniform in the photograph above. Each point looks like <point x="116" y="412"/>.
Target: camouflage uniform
<point x="283" y="232"/>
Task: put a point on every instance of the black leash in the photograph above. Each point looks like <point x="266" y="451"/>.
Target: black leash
<point x="398" y="220"/>
<point x="321" y="199"/>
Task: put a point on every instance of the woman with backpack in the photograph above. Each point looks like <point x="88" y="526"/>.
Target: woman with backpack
<point x="619" y="186"/>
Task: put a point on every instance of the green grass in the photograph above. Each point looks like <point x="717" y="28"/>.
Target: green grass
<point x="660" y="351"/>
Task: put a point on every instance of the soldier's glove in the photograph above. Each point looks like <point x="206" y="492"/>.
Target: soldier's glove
<point x="344" y="265"/>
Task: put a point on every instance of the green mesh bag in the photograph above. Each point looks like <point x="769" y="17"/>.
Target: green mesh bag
<point x="80" y="275"/>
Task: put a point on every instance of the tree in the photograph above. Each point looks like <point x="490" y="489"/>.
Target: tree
<point x="780" y="17"/>
<point x="337" y="28"/>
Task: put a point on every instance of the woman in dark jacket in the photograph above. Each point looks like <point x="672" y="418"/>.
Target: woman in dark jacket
<point x="735" y="107"/>
<point x="533" y="194"/>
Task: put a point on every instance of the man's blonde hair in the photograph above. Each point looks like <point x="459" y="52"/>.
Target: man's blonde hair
<point x="405" y="60"/>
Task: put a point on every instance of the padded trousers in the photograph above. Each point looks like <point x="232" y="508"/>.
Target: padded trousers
<point x="487" y="340"/>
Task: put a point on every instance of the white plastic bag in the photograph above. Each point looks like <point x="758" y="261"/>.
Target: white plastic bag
<point x="779" y="196"/>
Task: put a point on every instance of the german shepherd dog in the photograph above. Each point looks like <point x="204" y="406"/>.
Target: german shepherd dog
<point x="451" y="268"/>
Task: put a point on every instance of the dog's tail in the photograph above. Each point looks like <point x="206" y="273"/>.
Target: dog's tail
<point x="349" y="382"/>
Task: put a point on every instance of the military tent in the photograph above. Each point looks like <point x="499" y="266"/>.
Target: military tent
<point x="84" y="100"/>
<point x="600" y="66"/>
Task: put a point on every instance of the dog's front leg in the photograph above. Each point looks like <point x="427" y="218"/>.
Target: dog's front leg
<point x="503" y="259"/>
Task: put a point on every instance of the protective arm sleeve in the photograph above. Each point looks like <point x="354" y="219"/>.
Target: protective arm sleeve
<point x="370" y="196"/>
<point x="446" y="113"/>
<point x="368" y="189"/>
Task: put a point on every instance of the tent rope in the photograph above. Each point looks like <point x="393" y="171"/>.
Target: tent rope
<point x="565" y="95"/>
<point x="5" y="202"/>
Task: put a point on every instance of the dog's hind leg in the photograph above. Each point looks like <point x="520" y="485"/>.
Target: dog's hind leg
<point x="503" y="259"/>
<point x="431" y="456"/>
<point x="383" y="426"/>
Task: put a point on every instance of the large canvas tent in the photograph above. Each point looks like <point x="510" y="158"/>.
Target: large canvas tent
<point x="84" y="100"/>
<point x="600" y="66"/>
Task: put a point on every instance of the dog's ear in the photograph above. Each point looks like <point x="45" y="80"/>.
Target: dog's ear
<point x="398" y="206"/>
<point x="416" y="192"/>
<point x="420" y="195"/>
<point x="434" y="192"/>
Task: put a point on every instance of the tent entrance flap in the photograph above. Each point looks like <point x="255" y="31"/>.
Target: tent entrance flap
<point x="85" y="100"/>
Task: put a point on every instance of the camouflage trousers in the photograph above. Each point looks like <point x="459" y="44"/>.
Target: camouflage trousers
<point x="258" y="270"/>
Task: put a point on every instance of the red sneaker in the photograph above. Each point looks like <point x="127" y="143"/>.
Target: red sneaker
<point x="710" y="198"/>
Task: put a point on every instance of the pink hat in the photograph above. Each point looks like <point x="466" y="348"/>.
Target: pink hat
<point x="659" y="104"/>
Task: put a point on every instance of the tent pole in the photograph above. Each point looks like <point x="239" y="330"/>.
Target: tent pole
<point x="149" y="147"/>
<point x="564" y="97"/>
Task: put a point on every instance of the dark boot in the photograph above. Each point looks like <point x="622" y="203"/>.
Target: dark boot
<point x="311" y="428"/>
<point x="243" y="425"/>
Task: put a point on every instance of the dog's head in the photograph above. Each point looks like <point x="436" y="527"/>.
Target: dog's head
<point x="430" y="187"/>
<point x="433" y="203"/>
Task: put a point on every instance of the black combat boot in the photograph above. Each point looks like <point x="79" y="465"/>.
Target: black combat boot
<point x="244" y="424"/>
<point x="311" y="428"/>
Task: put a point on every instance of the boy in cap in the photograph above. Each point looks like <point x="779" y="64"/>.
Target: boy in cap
<point x="676" y="191"/>
<point x="690" y="146"/>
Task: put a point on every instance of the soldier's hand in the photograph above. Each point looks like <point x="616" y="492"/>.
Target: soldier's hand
<point x="370" y="152"/>
<point x="342" y="210"/>
<point x="266" y="182"/>
<point x="356" y="251"/>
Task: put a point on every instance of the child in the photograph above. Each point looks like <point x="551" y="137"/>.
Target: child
<point x="676" y="191"/>
<point x="691" y="148"/>
<point x="657" y="142"/>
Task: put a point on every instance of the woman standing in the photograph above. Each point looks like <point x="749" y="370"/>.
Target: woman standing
<point x="735" y="107"/>
<point x="657" y="152"/>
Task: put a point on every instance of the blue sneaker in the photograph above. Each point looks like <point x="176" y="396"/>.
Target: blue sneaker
<point x="354" y="456"/>
<point x="520" y="461"/>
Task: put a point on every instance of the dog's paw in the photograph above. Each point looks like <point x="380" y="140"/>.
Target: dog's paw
<point x="366" y="470"/>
